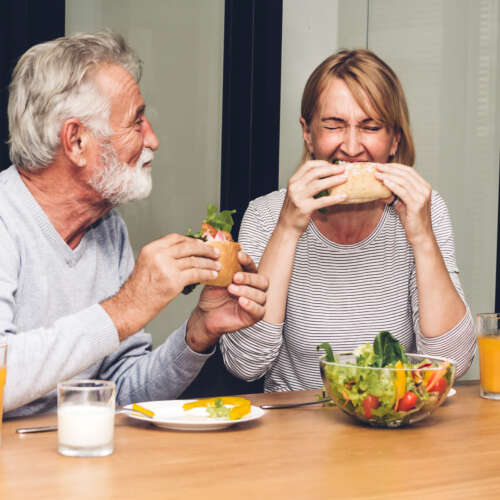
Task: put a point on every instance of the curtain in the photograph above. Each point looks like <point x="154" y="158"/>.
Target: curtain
<point x="23" y="23"/>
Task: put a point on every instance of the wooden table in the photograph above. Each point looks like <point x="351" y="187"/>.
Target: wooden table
<point x="309" y="452"/>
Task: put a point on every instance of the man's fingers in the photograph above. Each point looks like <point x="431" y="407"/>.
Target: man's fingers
<point x="253" y="280"/>
<point x="253" y="294"/>
<point x="194" y="275"/>
<point x="255" y="310"/>
<point x="198" y="263"/>
<point x="247" y="262"/>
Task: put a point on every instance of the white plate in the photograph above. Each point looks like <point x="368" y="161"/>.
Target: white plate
<point x="171" y="415"/>
<point x="452" y="392"/>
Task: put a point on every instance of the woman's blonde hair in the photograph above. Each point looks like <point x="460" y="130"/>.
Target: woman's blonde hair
<point x="366" y="76"/>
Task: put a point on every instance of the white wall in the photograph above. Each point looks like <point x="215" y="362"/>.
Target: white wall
<point x="181" y="44"/>
<point x="310" y="32"/>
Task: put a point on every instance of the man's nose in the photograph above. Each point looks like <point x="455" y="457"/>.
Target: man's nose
<point x="352" y="142"/>
<point x="150" y="139"/>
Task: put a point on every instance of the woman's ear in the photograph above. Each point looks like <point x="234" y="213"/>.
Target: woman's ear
<point x="75" y="141"/>
<point x="395" y="143"/>
<point x="306" y="132"/>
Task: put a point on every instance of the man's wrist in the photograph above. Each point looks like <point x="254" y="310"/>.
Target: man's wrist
<point x="198" y="338"/>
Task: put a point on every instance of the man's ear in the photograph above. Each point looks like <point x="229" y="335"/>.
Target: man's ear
<point x="306" y="133"/>
<point x="75" y="141"/>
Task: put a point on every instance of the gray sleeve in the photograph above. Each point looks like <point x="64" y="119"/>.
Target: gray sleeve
<point x="459" y="343"/>
<point x="250" y="352"/>
<point x="38" y="359"/>
<point x="144" y="375"/>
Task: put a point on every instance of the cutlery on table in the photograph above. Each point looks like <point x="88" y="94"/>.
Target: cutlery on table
<point x="294" y="405"/>
<point x="48" y="428"/>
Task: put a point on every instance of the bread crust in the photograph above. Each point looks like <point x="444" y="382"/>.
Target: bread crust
<point x="361" y="186"/>
<point x="229" y="261"/>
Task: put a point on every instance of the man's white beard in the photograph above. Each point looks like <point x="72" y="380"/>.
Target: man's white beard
<point x="120" y="183"/>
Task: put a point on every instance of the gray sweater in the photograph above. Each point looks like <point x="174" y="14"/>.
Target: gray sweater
<point x="50" y="315"/>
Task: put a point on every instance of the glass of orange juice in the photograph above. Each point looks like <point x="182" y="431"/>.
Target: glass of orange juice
<point x="3" y="376"/>
<point x="488" y="341"/>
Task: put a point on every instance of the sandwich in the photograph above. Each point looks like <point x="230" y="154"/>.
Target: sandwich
<point x="216" y="231"/>
<point x="361" y="186"/>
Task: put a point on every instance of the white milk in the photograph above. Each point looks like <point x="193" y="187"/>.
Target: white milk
<point x="85" y="426"/>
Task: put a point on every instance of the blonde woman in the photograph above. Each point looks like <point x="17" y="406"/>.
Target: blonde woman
<point x="343" y="273"/>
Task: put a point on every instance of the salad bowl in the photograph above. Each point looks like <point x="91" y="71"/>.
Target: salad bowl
<point x="394" y="395"/>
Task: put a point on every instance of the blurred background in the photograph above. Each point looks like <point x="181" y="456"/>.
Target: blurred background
<point x="223" y="81"/>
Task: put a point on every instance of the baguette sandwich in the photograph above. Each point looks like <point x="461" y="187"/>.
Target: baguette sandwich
<point x="215" y="231"/>
<point x="361" y="186"/>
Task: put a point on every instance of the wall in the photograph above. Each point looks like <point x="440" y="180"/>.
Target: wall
<point x="309" y="36"/>
<point x="181" y="44"/>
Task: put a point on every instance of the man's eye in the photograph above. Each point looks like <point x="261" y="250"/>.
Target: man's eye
<point x="139" y="123"/>
<point x="334" y="128"/>
<point x="371" y="129"/>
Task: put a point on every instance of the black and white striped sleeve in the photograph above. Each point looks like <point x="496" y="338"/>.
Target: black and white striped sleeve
<point x="250" y="352"/>
<point x="459" y="343"/>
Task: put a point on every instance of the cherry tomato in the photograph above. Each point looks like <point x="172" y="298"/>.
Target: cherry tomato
<point x="369" y="404"/>
<point x="440" y="386"/>
<point x="408" y="401"/>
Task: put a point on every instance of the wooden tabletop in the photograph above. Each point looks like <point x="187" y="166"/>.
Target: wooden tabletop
<point x="309" y="452"/>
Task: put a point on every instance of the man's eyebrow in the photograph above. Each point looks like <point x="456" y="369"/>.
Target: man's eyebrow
<point x="140" y="111"/>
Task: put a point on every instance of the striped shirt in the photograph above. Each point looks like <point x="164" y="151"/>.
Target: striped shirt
<point x="344" y="295"/>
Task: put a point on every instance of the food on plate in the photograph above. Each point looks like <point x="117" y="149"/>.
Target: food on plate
<point x="382" y="385"/>
<point x="144" y="411"/>
<point x="361" y="185"/>
<point x="216" y="407"/>
<point x="216" y="231"/>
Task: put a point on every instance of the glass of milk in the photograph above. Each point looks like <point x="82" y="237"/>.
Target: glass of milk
<point x="86" y="417"/>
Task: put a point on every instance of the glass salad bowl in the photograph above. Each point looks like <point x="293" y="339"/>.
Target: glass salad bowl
<point x="391" y="396"/>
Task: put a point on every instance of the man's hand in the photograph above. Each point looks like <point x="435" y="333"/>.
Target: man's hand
<point x="163" y="269"/>
<point x="222" y="310"/>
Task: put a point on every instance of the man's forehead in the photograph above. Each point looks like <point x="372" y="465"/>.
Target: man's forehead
<point x="115" y="81"/>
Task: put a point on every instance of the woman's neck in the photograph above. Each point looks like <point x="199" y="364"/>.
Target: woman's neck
<point x="349" y="224"/>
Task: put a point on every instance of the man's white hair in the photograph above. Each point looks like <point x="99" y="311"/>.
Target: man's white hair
<point x="54" y="81"/>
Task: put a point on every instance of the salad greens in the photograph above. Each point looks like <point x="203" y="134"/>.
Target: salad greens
<point x="222" y="221"/>
<point x="383" y="385"/>
<point x="218" y="225"/>
<point x="218" y="410"/>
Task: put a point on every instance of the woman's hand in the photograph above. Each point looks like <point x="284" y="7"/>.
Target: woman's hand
<point x="310" y="179"/>
<point x="414" y="204"/>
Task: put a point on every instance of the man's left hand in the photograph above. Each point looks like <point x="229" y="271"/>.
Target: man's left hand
<point x="222" y="310"/>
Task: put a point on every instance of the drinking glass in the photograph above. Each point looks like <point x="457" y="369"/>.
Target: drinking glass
<point x="488" y="340"/>
<point x="86" y="417"/>
<point x="3" y="376"/>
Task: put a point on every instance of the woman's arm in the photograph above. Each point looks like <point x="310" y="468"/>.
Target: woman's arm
<point x="277" y="261"/>
<point x="440" y="306"/>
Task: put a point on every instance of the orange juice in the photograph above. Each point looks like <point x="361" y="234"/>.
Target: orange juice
<point x="3" y="375"/>
<point x="489" y="362"/>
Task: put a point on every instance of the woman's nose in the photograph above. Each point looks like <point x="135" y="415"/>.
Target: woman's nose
<point x="352" y="142"/>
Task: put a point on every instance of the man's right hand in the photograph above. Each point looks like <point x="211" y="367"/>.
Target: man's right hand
<point x="163" y="269"/>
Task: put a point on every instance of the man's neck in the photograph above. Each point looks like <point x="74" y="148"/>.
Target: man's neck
<point x="71" y="205"/>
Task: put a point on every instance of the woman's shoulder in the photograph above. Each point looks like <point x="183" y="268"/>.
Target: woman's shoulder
<point x="268" y="207"/>
<point x="438" y="205"/>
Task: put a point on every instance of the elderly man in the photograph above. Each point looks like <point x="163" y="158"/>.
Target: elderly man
<point x="72" y="302"/>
